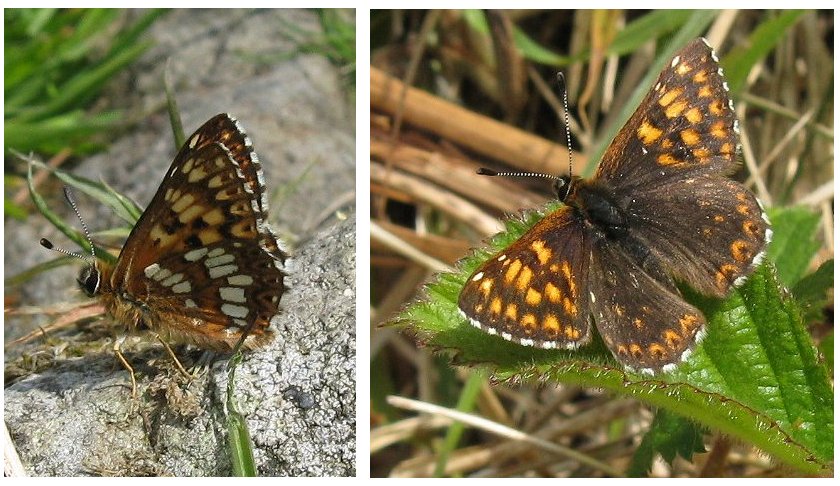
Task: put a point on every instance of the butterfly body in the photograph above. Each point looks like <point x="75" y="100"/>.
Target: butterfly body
<point x="201" y="266"/>
<point x="659" y="209"/>
<point x="594" y="204"/>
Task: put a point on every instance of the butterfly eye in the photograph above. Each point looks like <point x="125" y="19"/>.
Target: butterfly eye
<point x="561" y="186"/>
<point x="89" y="279"/>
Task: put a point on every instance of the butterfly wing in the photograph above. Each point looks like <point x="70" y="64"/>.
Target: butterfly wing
<point x="643" y="321"/>
<point x="707" y="231"/>
<point x="658" y="207"/>
<point x="685" y="126"/>
<point x="666" y="172"/>
<point x="201" y="262"/>
<point x="535" y="291"/>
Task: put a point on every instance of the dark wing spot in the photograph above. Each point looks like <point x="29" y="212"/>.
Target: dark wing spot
<point x="172" y="226"/>
<point x="194" y="241"/>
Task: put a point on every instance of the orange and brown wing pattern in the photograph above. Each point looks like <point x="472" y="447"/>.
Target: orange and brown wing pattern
<point x="226" y="132"/>
<point x="685" y="124"/>
<point x="707" y="231"/>
<point x="535" y="291"/>
<point x="644" y="321"/>
<point x="224" y="296"/>
<point x="201" y="264"/>
<point x="666" y="172"/>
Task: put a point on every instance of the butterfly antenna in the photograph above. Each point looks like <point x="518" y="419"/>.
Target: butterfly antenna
<point x="493" y="173"/>
<point x="490" y="172"/>
<point x="71" y="200"/>
<point x="562" y="80"/>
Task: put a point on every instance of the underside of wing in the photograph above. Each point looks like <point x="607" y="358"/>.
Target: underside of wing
<point x="202" y="260"/>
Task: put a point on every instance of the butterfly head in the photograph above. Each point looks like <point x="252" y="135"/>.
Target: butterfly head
<point x="563" y="186"/>
<point x="90" y="279"/>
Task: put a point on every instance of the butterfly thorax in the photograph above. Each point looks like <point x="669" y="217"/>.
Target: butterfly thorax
<point x="595" y="203"/>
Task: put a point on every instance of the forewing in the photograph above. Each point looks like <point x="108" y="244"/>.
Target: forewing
<point x="535" y="291"/>
<point x="685" y="125"/>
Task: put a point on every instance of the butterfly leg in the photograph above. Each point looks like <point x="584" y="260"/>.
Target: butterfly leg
<point x="203" y="362"/>
<point x="121" y="357"/>
<point x="174" y="358"/>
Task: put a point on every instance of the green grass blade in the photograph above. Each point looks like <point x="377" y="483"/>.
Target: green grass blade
<point x="55" y="133"/>
<point x="85" y="85"/>
<point x="53" y="218"/>
<point x="741" y="59"/>
<point x="466" y="403"/>
<point x="240" y="446"/>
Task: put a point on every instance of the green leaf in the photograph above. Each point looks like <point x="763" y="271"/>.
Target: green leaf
<point x="53" y="218"/>
<point x="56" y="64"/>
<point x="668" y="436"/>
<point x="793" y="245"/>
<point x="812" y="292"/>
<point x="529" y="48"/>
<point x="240" y="445"/>
<point x="533" y="51"/>
<point x="54" y="133"/>
<point x="651" y="26"/>
<point x="826" y="348"/>
<point x="125" y="208"/>
<point x="755" y="376"/>
<point x="34" y="271"/>
<point x="466" y="403"/>
<point x="83" y="86"/>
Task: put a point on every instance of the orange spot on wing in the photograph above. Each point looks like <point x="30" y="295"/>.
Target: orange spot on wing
<point x="675" y="109"/>
<point x="513" y="271"/>
<point x="496" y="306"/>
<point x="543" y="252"/>
<point x="524" y="279"/>
<point x="693" y="115"/>
<point x="670" y="96"/>
<point x="648" y="133"/>
<point x="553" y="293"/>
<point x="533" y="297"/>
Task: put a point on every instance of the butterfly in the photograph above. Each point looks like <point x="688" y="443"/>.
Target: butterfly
<point x="201" y="266"/>
<point x="659" y="209"/>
